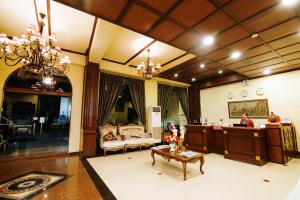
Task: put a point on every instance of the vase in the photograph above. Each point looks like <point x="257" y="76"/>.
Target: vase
<point x="172" y="146"/>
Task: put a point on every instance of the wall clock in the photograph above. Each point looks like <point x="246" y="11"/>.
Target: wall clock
<point x="260" y="91"/>
<point x="244" y="93"/>
<point x="230" y="95"/>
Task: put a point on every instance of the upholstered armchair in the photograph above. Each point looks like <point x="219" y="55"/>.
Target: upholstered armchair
<point x="109" y="140"/>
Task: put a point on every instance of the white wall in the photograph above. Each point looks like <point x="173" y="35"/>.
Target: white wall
<point x="282" y="92"/>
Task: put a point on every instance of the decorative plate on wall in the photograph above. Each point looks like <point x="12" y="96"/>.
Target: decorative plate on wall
<point x="260" y="91"/>
<point x="244" y="93"/>
<point x="230" y="95"/>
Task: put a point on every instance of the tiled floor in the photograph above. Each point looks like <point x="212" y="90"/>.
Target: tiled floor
<point x="131" y="176"/>
<point x="78" y="186"/>
<point x="34" y="152"/>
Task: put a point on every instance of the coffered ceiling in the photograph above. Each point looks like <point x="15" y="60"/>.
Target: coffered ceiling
<point x="174" y="31"/>
<point x="184" y="23"/>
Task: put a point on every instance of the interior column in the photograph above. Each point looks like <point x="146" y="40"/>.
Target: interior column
<point x="194" y="102"/>
<point x="90" y="108"/>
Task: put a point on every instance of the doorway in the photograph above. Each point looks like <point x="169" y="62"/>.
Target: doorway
<point x="35" y="119"/>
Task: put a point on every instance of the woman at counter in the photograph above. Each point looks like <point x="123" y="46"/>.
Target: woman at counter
<point x="272" y="118"/>
<point x="246" y="120"/>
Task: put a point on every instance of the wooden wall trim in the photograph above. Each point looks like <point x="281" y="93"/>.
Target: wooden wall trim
<point x="90" y="108"/>
<point x="38" y="92"/>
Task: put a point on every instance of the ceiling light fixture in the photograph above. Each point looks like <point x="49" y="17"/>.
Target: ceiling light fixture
<point x="193" y="79"/>
<point x="267" y="71"/>
<point x="289" y="2"/>
<point x="35" y="53"/>
<point x="208" y="40"/>
<point x="220" y="71"/>
<point x="235" y="55"/>
<point x="148" y="68"/>
<point x="202" y="65"/>
<point x="175" y="75"/>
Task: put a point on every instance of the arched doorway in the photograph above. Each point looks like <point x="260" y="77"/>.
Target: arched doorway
<point x="35" y="115"/>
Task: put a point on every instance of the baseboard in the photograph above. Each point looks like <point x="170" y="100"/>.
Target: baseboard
<point x="78" y="153"/>
<point x="105" y="192"/>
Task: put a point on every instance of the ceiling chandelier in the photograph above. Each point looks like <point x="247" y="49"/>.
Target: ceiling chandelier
<point x="148" y="68"/>
<point x="34" y="53"/>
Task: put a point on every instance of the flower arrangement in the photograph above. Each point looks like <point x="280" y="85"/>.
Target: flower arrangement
<point x="172" y="137"/>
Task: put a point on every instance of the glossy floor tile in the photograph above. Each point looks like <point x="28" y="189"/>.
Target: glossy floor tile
<point x="42" y="151"/>
<point x="132" y="177"/>
<point x="77" y="186"/>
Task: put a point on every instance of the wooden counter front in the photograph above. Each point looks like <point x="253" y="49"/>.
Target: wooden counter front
<point x="282" y="142"/>
<point x="199" y="138"/>
<point x="245" y="144"/>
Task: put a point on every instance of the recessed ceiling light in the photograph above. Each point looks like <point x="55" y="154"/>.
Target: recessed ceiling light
<point x="202" y="65"/>
<point x="220" y="71"/>
<point x="175" y="75"/>
<point x="267" y="71"/>
<point x="208" y="40"/>
<point x="254" y="35"/>
<point x="235" y="55"/>
<point x="193" y="79"/>
<point x="289" y="2"/>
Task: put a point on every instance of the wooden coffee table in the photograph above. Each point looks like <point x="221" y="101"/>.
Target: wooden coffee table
<point x="165" y="153"/>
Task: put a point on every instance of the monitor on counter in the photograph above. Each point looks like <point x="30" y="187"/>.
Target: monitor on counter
<point x="239" y="125"/>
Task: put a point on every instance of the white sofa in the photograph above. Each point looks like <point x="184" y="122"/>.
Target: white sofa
<point x="131" y="136"/>
<point x="135" y="137"/>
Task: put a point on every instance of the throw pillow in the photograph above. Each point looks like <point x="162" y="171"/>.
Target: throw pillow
<point x="135" y="133"/>
<point x="109" y="137"/>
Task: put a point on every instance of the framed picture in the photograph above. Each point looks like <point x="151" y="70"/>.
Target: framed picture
<point x="257" y="108"/>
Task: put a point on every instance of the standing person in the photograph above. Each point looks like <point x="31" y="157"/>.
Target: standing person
<point x="246" y="120"/>
<point x="273" y="118"/>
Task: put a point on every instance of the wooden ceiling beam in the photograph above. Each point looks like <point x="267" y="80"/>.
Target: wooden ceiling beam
<point x="199" y="22"/>
<point x="124" y="11"/>
<point x="92" y="36"/>
<point x="49" y="16"/>
<point x="139" y="52"/>
<point x="163" y="17"/>
<point x="161" y="14"/>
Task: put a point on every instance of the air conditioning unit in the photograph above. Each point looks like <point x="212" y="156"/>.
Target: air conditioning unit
<point x="154" y="122"/>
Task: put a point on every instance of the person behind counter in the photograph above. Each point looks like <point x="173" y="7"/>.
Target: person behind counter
<point x="273" y="118"/>
<point x="246" y="120"/>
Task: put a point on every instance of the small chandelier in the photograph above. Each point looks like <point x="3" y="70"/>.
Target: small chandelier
<point x="34" y="53"/>
<point x="148" y="68"/>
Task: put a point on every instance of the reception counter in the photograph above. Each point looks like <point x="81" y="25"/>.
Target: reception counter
<point x="252" y="145"/>
<point x="245" y="144"/>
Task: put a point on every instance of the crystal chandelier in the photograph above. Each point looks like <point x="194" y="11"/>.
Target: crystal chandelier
<point x="34" y="53"/>
<point x="148" y="68"/>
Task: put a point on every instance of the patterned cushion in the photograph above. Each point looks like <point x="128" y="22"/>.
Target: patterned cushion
<point x="135" y="132"/>
<point x="106" y="129"/>
<point x="109" y="137"/>
<point x="132" y="131"/>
